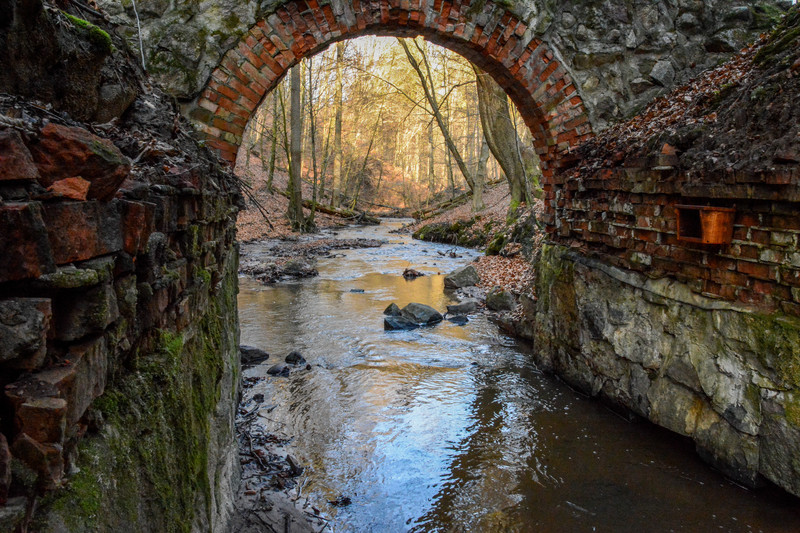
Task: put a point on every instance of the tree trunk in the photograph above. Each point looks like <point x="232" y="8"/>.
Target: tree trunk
<point x="296" y="153"/>
<point x="273" y="152"/>
<point x="480" y="177"/>
<point x="500" y="134"/>
<point x="337" y="128"/>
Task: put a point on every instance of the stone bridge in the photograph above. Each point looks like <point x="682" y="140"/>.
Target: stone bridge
<point x="130" y="278"/>
<point x="571" y="67"/>
<point x="700" y="339"/>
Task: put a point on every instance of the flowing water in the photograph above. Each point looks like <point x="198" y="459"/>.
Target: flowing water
<point x="453" y="428"/>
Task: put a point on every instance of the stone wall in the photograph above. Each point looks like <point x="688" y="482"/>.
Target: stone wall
<point x="118" y="325"/>
<point x="703" y="339"/>
<point x="621" y="53"/>
<point x="720" y="373"/>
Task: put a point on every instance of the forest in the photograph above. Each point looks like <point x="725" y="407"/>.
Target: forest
<point x="378" y="124"/>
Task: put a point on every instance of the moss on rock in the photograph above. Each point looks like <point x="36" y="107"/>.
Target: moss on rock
<point x="100" y="38"/>
<point x="146" y="468"/>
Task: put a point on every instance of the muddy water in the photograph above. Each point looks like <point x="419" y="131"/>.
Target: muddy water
<point x="452" y="428"/>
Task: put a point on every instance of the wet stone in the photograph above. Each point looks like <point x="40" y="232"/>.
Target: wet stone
<point x="295" y="358"/>
<point x="421" y="314"/>
<point x="470" y="305"/>
<point x="251" y="355"/>
<point x="392" y="310"/>
<point x="280" y="369"/>
<point x="395" y="323"/>
<point x="5" y="470"/>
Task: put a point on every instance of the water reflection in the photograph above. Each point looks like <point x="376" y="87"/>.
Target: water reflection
<point x="453" y="429"/>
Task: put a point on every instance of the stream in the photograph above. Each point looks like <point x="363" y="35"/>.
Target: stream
<point x="453" y="428"/>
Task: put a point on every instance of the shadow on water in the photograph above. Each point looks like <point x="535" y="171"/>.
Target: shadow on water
<point x="453" y="429"/>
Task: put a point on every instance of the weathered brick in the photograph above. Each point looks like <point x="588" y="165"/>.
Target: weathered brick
<point x="16" y="162"/>
<point x="25" y="250"/>
<point x="82" y="230"/>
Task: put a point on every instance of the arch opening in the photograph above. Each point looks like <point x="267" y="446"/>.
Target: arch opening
<point x="493" y="39"/>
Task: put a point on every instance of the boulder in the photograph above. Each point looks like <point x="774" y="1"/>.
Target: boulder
<point x="251" y="355"/>
<point x="421" y="314"/>
<point x="295" y="358"/>
<point x="458" y="320"/>
<point x="279" y="369"/>
<point x="499" y="300"/>
<point x="398" y="323"/>
<point x="75" y="188"/>
<point x="66" y="152"/>
<point x="464" y="307"/>
<point x="300" y="267"/>
<point x="89" y="312"/>
<point x="44" y="419"/>
<point x="465" y="276"/>
<point x="392" y="310"/>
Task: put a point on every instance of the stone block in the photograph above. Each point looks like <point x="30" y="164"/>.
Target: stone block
<point x="28" y="389"/>
<point x="25" y="250"/>
<point x="64" y="152"/>
<point x="82" y="230"/>
<point x="5" y="469"/>
<point x="81" y="379"/>
<point x="78" y="315"/>
<point x="137" y="225"/>
<point x="44" y="419"/>
<point x="16" y="162"/>
<point x="46" y="459"/>
<point x="68" y="277"/>
<point x="24" y="327"/>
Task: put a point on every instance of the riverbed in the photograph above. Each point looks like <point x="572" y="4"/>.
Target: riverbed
<point x="453" y="428"/>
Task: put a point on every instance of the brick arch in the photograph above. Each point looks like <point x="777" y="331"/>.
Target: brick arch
<point x="492" y="38"/>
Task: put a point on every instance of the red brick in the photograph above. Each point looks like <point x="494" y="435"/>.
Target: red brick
<point x="757" y="270"/>
<point x="16" y="162"/>
<point x="82" y="230"/>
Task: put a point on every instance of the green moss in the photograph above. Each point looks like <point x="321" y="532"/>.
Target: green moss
<point x="203" y="275"/>
<point x="231" y="22"/>
<point x="147" y="469"/>
<point x="784" y="38"/>
<point x="792" y="409"/>
<point x="777" y="345"/>
<point x="766" y="16"/>
<point x="100" y="38"/>
<point x="459" y="233"/>
<point x="496" y="244"/>
<point x="721" y="94"/>
<point x="550" y="269"/>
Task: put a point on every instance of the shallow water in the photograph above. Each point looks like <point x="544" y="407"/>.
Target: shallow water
<point x="452" y="428"/>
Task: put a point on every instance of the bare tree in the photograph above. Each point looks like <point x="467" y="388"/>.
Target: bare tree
<point x="295" y="212"/>
<point x="430" y="96"/>
<point x="501" y="135"/>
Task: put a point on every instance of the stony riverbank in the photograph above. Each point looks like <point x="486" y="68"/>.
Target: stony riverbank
<point x="274" y="260"/>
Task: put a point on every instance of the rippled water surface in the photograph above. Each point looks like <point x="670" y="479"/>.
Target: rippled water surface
<point x="452" y="428"/>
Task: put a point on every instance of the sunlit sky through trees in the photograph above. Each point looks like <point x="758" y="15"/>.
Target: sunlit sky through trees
<point x="392" y="151"/>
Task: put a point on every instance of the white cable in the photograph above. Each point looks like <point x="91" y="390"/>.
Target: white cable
<point x="139" y="28"/>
